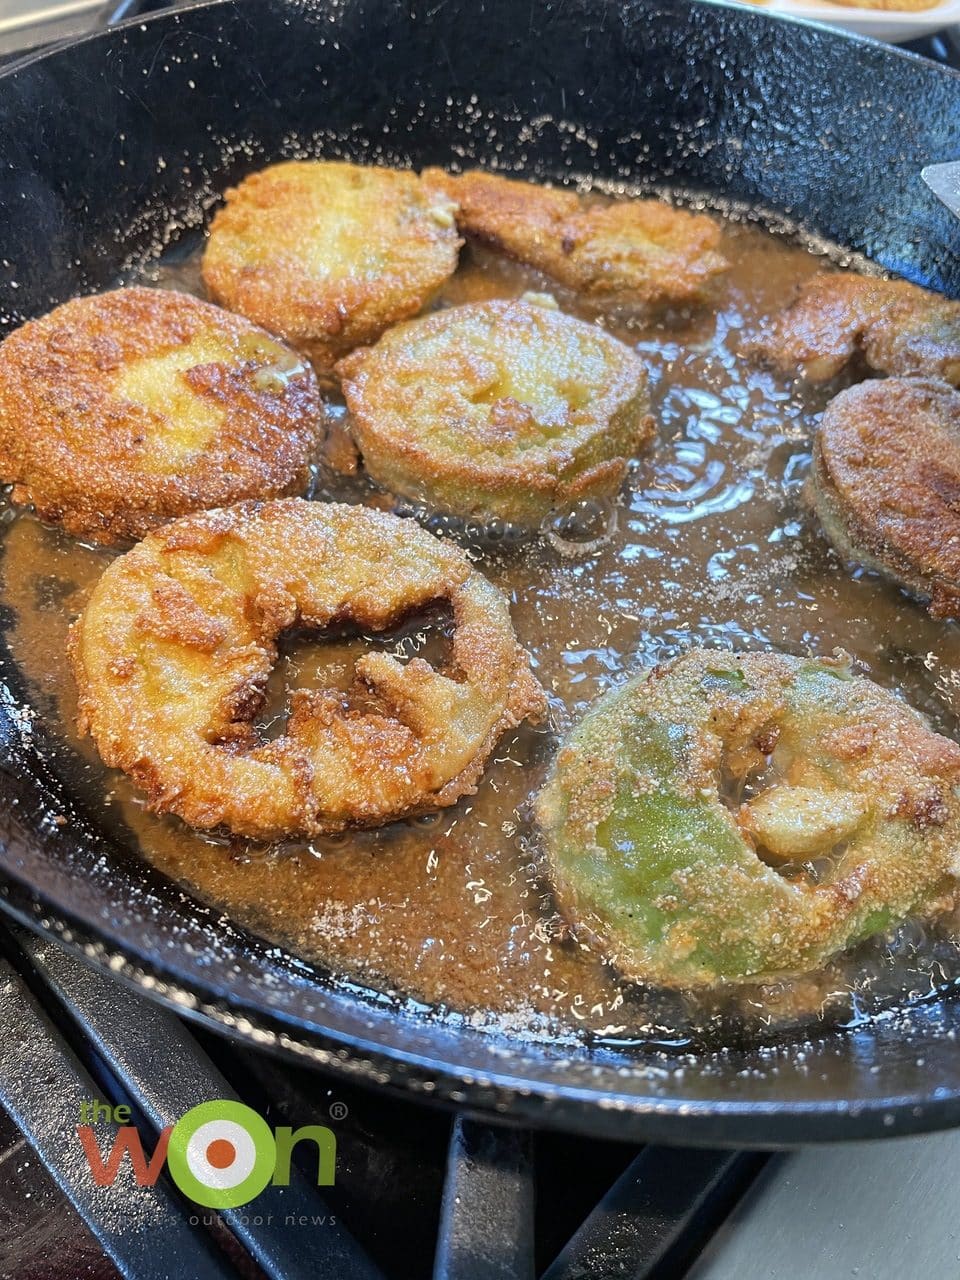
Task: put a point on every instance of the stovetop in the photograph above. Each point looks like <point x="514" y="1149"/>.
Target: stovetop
<point x="418" y="1192"/>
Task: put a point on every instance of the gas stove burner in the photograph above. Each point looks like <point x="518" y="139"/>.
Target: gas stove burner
<point x="466" y="1199"/>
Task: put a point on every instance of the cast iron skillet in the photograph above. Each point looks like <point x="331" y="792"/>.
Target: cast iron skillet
<point x="109" y="147"/>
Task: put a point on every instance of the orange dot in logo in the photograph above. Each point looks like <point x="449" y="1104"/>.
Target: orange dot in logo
<point x="221" y="1153"/>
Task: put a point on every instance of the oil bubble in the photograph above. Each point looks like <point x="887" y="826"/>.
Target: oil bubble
<point x="582" y="530"/>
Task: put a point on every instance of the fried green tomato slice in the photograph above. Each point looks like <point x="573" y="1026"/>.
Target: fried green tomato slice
<point x="655" y="852"/>
<point x="328" y="254"/>
<point x="886" y="484"/>
<point x="123" y="410"/>
<point x="892" y="325"/>
<point x="504" y="409"/>
<point x="623" y="253"/>
<point x="174" y="649"/>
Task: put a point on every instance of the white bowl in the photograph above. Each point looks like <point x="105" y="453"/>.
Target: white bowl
<point x="882" y="24"/>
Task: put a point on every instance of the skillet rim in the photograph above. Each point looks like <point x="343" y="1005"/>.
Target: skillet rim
<point x="739" y="7"/>
<point x="593" y="1113"/>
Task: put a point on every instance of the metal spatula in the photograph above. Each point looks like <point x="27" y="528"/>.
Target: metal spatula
<point x="944" y="181"/>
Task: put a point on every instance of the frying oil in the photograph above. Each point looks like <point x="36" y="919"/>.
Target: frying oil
<point x="709" y="543"/>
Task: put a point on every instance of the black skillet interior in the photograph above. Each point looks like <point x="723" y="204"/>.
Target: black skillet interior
<point x="112" y="147"/>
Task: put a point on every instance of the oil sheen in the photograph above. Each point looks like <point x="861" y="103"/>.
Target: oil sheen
<point x="709" y="543"/>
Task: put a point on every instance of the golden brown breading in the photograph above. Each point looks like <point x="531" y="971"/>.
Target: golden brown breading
<point x="125" y="409"/>
<point x="623" y="253"/>
<point x="173" y="651"/>
<point x="328" y="254"/>
<point x="852" y="822"/>
<point x="502" y="409"/>
<point x="886" y="483"/>
<point x="895" y="326"/>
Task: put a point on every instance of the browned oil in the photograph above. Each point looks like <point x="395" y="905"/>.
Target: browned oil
<point x="709" y="543"/>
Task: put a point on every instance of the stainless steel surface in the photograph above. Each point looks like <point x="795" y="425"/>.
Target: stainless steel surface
<point x="27" y="23"/>
<point x="944" y="181"/>
<point x="880" y="1211"/>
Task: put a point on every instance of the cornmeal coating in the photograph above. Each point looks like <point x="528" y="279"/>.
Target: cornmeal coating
<point x="329" y="255"/>
<point x="123" y="410"/>
<point x="893" y="326"/>
<point x="622" y="253"/>
<point x="505" y="409"/>
<point x="173" y="652"/>
<point x="886" y="484"/>
<point x="730" y="818"/>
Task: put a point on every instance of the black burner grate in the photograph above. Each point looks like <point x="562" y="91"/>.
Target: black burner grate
<point x="418" y="1193"/>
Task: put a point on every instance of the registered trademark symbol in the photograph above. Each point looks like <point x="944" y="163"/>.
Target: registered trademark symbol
<point x="339" y="1111"/>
